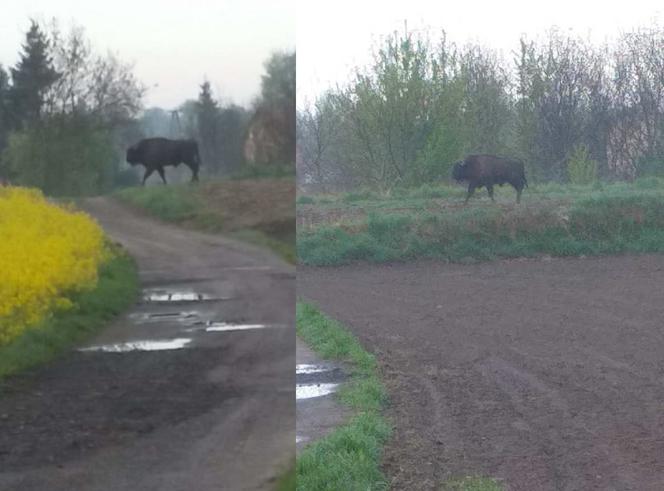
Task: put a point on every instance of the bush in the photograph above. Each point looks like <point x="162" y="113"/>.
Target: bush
<point x="62" y="157"/>
<point x="305" y="200"/>
<point x="581" y="169"/>
<point x="46" y="253"/>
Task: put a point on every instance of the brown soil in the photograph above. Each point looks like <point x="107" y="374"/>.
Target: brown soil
<point x="262" y="204"/>
<point x="545" y="374"/>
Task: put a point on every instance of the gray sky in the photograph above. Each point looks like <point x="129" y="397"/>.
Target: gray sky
<point x="334" y="37"/>
<point x="173" y="44"/>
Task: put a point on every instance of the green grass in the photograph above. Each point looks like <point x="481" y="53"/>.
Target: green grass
<point x="173" y="203"/>
<point x="349" y="457"/>
<point x="245" y="209"/>
<point x="472" y="484"/>
<point x="286" y="481"/>
<point x="116" y="289"/>
<point x="556" y="220"/>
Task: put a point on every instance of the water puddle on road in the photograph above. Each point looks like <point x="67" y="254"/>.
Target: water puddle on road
<point x="308" y="368"/>
<point x="309" y="391"/>
<point x="148" y="345"/>
<point x="178" y="296"/>
<point x="164" y="316"/>
<point x="214" y="326"/>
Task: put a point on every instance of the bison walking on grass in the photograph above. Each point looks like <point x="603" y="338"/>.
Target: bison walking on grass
<point x="156" y="153"/>
<point x="489" y="170"/>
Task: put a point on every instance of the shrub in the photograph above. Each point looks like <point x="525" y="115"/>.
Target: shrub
<point x="581" y="169"/>
<point x="46" y="253"/>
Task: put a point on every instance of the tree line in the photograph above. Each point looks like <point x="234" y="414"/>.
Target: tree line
<point x="574" y="111"/>
<point x="67" y="114"/>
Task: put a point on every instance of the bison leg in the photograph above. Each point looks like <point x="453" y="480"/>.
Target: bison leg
<point x="519" y="189"/>
<point x="161" y="173"/>
<point x="471" y="191"/>
<point x="147" y="174"/>
<point x="489" y="189"/>
<point x="194" y="175"/>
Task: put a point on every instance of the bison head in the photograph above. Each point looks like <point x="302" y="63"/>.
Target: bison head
<point x="459" y="171"/>
<point x="132" y="155"/>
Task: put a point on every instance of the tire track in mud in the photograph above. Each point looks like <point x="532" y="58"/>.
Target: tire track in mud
<point x="545" y="374"/>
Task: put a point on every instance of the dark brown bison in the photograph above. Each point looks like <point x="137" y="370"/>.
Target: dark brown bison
<point x="157" y="153"/>
<point x="489" y="170"/>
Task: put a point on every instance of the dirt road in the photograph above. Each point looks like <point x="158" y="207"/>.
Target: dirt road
<point x="546" y="374"/>
<point x="217" y="414"/>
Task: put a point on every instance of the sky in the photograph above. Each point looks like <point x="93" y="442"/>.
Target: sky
<point x="174" y="45"/>
<point x="334" y="37"/>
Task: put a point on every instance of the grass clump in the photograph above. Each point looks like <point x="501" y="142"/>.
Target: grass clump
<point x="472" y="484"/>
<point x="349" y="457"/>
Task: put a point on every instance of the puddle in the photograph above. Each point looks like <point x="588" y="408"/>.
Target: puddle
<point x="223" y="326"/>
<point x="309" y="391"/>
<point x="161" y="316"/>
<point x="153" y="345"/>
<point x="308" y="368"/>
<point x="212" y="326"/>
<point x="165" y="296"/>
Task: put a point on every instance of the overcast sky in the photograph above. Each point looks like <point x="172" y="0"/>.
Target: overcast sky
<point x="334" y="37"/>
<point x="173" y="44"/>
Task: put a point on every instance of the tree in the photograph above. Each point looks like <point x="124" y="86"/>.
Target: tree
<point x="32" y="76"/>
<point x="4" y="108"/>
<point x="270" y="136"/>
<point x="75" y="109"/>
<point x="100" y="86"/>
<point x="207" y="119"/>
<point x="317" y="128"/>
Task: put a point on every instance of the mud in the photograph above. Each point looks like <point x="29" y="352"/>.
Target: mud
<point x="318" y="411"/>
<point x="545" y="374"/>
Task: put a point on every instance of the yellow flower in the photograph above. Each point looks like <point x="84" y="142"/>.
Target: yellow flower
<point x="47" y="252"/>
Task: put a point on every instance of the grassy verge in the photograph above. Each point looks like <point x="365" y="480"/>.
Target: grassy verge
<point x="349" y="457"/>
<point x="116" y="290"/>
<point x="621" y="219"/>
<point x="287" y="481"/>
<point x="258" y="211"/>
<point x="472" y="484"/>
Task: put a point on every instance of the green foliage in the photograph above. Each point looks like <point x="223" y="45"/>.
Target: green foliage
<point x="349" y="457"/>
<point x="64" y="156"/>
<point x="581" y="169"/>
<point x="31" y="77"/>
<point x="116" y="290"/>
<point x="305" y="200"/>
<point x="472" y="484"/>
<point x="170" y="203"/>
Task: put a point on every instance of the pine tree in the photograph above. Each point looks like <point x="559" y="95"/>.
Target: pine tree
<point x="31" y="77"/>
<point x="207" y="118"/>
<point x="4" y="110"/>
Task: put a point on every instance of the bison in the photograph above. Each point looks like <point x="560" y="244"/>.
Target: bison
<point x="156" y="153"/>
<point x="489" y="170"/>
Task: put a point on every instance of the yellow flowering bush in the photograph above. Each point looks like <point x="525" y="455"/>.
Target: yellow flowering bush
<point x="47" y="252"/>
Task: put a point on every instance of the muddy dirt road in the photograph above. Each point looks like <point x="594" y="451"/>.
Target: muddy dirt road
<point x="546" y="374"/>
<point x="218" y="413"/>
